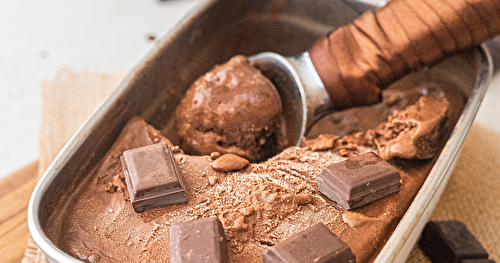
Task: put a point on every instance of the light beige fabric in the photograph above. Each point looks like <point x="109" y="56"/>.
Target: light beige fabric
<point x="473" y="192"/>
<point x="471" y="196"/>
<point x="68" y="99"/>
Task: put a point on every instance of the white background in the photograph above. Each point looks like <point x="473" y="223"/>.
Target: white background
<point x="37" y="37"/>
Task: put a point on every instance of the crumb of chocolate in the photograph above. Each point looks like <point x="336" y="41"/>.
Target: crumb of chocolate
<point x="212" y="180"/>
<point x="214" y="155"/>
<point x="343" y="152"/>
<point x="117" y="184"/>
<point x="151" y="37"/>
<point x="229" y="162"/>
<point x="322" y="142"/>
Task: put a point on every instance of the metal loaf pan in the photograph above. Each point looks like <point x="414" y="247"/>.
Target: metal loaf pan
<point x="211" y="34"/>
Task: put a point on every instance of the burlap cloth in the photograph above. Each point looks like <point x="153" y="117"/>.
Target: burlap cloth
<point x="472" y="195"/>
<point x="68" y="99"/>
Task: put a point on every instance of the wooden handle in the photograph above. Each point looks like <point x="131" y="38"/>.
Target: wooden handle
<point x="356" y="61"/>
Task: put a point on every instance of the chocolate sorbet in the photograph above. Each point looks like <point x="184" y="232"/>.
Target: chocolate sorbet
<point x="259" y="205"/>
<point x="232" y="109"/>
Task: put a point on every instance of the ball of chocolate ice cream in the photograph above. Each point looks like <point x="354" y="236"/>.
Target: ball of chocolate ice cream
<point x="232" y="109"/>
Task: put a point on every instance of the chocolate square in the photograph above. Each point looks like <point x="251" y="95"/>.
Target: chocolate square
<point x="201" y="240"/>
<point x="359" y="180"/>
<point x="152" y="177"/>
<point x="450" y="241"/>
<point x="315" y="244"/>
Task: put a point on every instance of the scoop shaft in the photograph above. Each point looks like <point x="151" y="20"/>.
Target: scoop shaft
<point x="356" y="61"/>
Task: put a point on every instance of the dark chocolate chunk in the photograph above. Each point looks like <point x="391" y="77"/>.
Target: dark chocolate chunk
<point x="152" y="177"/>
<point x="450" y="241"/>
<point x="315" y="244"/>
<point x="359" y="180"/>
<point x="201" y="240"/>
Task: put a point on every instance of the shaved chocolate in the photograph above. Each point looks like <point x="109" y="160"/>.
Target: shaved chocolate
<point x="450" y="242"/>
<point x="315" y="244"/>
<point x="200" y="240"/>
<point x="359" y="180"/>
<point x="152" y="177"/>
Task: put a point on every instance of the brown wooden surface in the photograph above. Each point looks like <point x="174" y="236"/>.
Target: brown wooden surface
<point x="15" y="192"/>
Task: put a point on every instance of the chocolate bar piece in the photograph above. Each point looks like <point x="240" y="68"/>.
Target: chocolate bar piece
<point x="450" y="241"/>
<point x="201" y="240"/>
<point x="315" y="244"/>
<point x="359" y="180"/>
<point x="152" y="177"/>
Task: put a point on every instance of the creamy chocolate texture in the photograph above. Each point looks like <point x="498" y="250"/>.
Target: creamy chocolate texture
<point x="232" y="109"/>
<point x="259" y="206"/>
<point x="358" y="119"/>
<point x="414" y="132"/>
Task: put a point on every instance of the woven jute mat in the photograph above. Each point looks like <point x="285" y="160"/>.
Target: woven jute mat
<point x="68" y="99"/>
<point x="472" y="195"/>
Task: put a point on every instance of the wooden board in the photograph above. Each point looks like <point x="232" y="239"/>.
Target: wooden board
<point x="15" y="192"/>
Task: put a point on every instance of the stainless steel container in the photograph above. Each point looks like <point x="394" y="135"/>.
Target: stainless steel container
<point x="211" y="34"/>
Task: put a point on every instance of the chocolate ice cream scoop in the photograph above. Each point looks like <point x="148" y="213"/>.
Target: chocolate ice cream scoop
<point x="351" y="65"/>
<point x="232" y="109"/>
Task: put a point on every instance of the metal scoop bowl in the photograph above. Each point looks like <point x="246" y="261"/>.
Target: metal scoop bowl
<point x="362" y="68"/>
<point x="302" y="92"/>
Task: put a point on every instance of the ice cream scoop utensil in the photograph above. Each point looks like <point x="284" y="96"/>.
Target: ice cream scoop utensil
<point x="302" y="93"/>
<point x="351" y="65"/>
